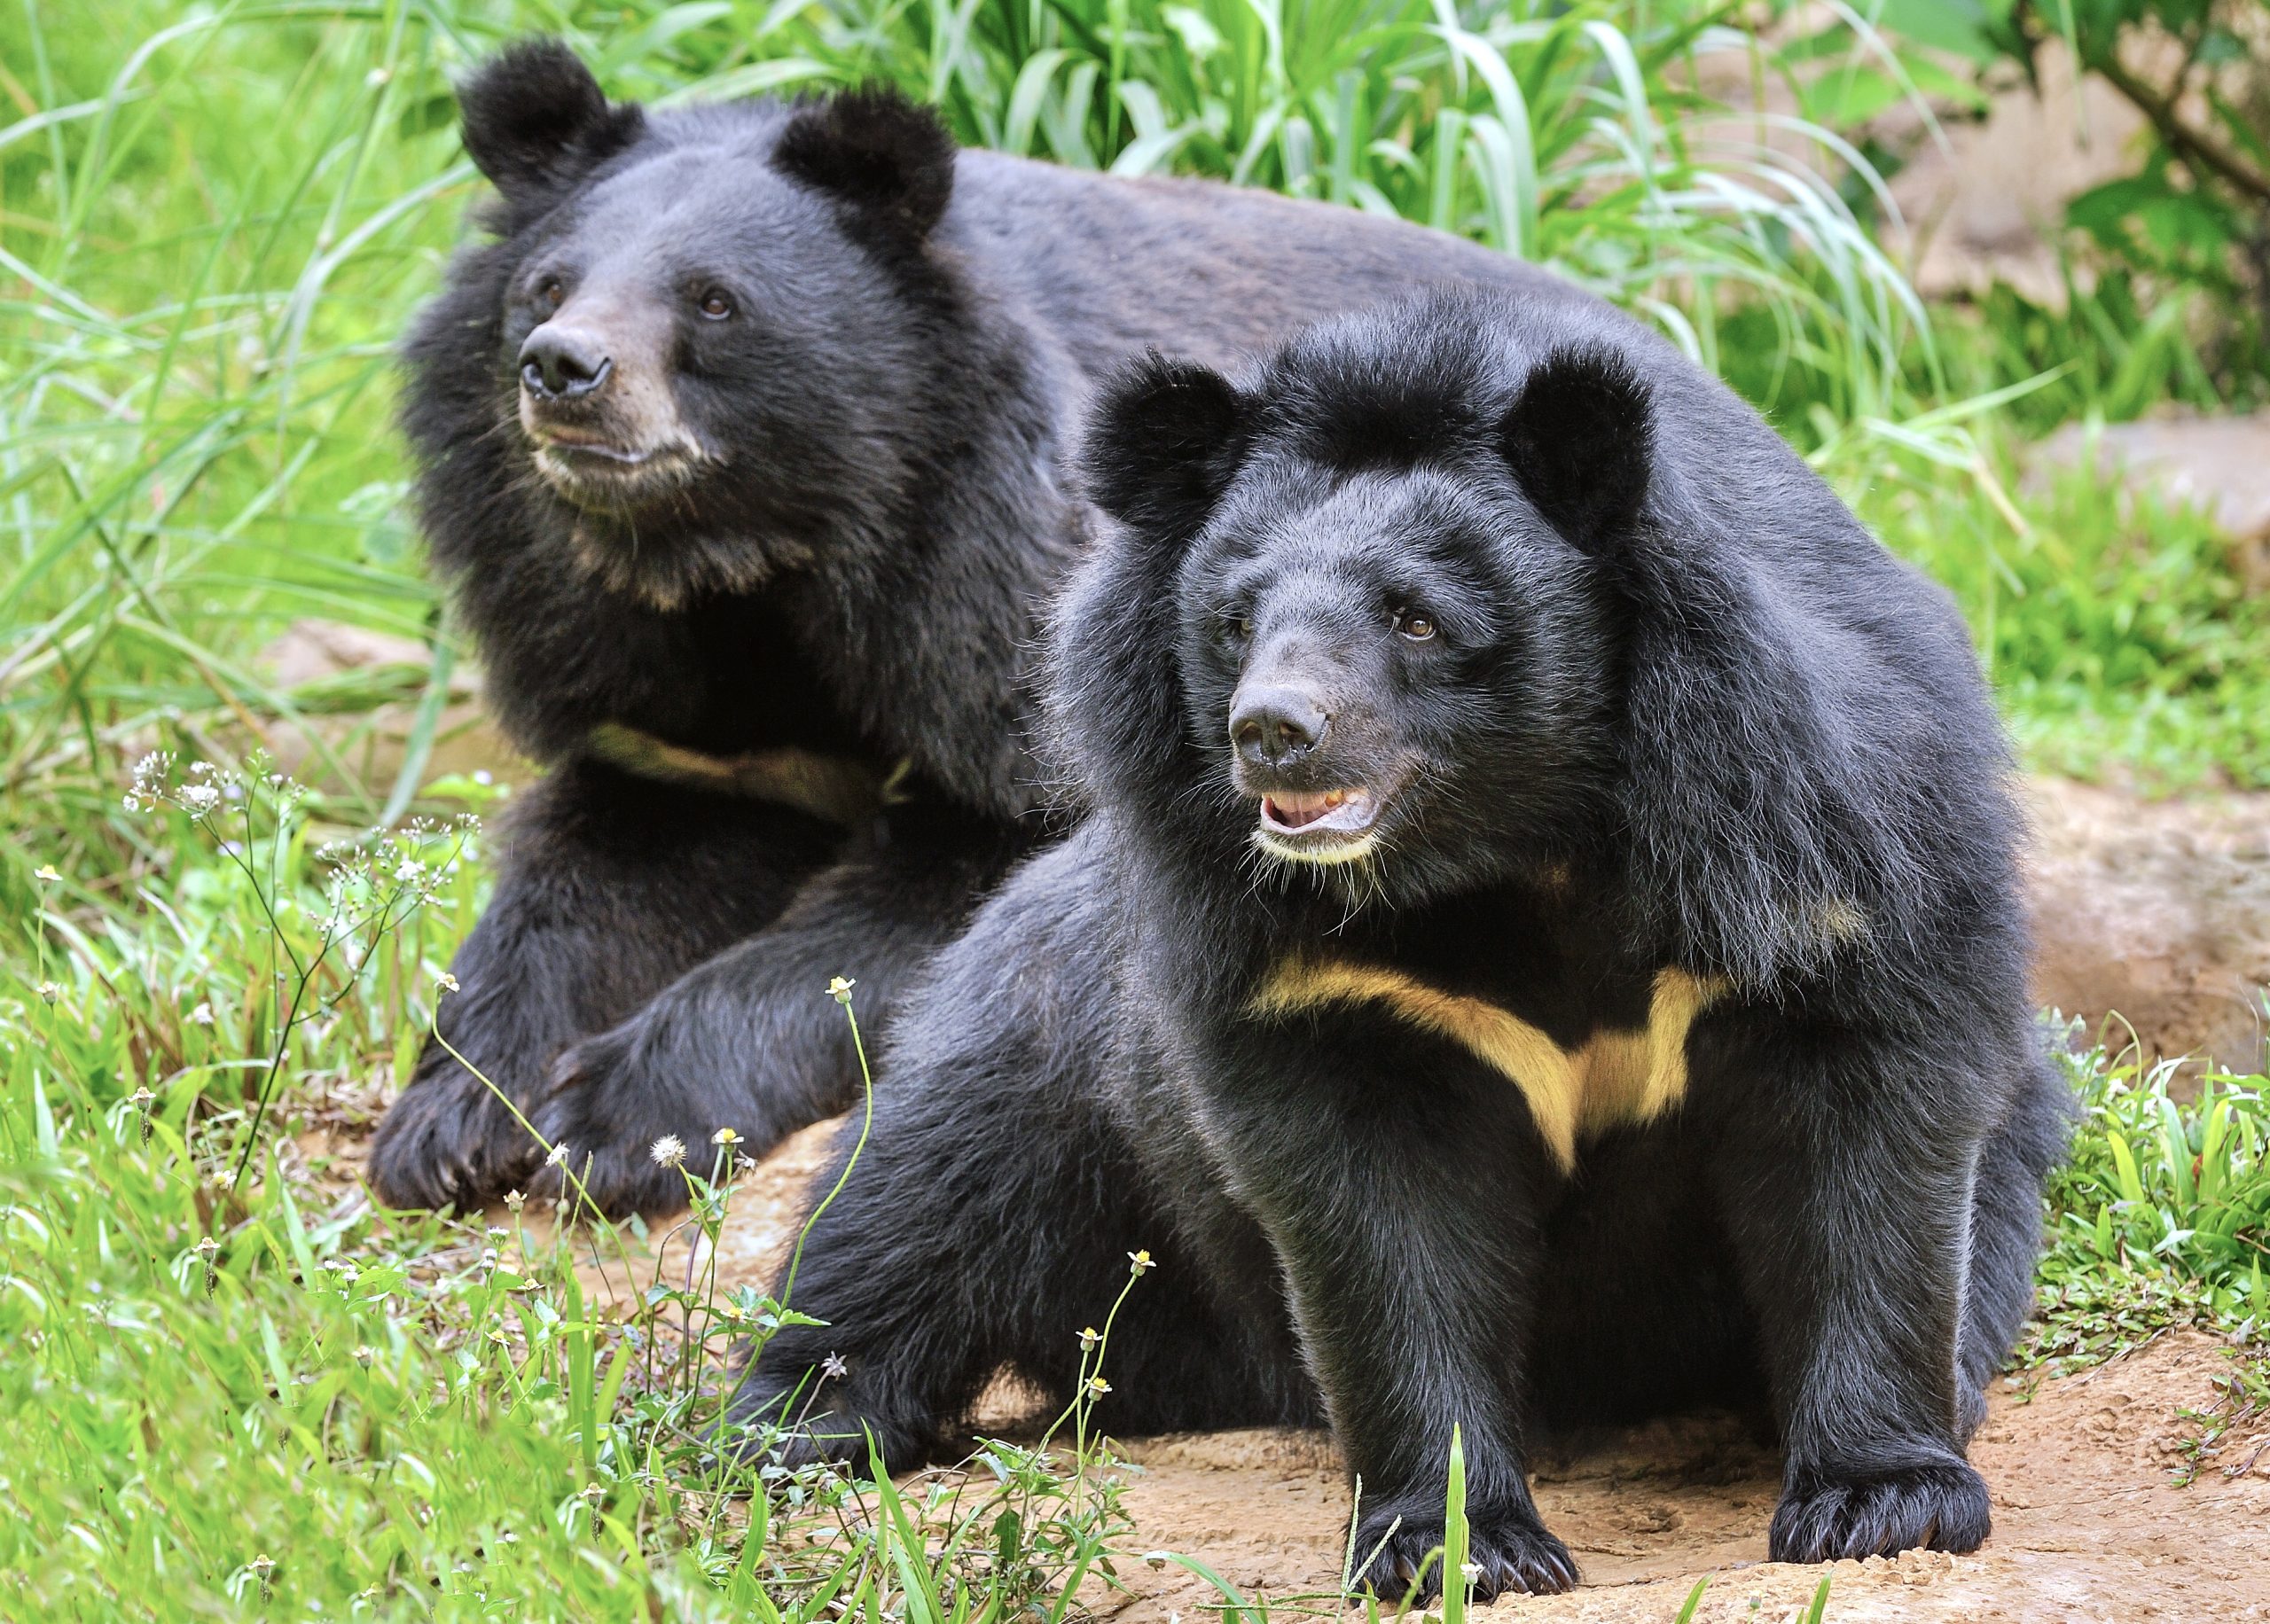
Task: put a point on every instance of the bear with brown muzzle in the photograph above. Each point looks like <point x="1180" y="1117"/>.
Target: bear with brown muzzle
<point x="1547" y="950"/>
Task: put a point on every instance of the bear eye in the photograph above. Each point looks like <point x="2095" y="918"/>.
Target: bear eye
<point x="1416" y="624"/>
<point x="716" y="305"/>
<point x="551" y="292"/>
<point x="1237" y="628"/>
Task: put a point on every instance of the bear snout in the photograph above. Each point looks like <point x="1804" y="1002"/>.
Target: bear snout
<point x="560" y="362"/>
<point x="1273" y="725"/>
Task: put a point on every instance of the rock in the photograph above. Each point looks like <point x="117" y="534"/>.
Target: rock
<point x="1985" y="200"/>
<point x="358" y="693"/>
<point x="2220" y="465"/>
<point x="2153" y="918"/>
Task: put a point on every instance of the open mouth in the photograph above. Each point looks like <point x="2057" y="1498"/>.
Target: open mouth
<point x="1319" y="825"/>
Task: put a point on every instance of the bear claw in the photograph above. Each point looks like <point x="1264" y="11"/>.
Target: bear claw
<point x="1512" y="1554"/>
<point x="1939" y="1505"/>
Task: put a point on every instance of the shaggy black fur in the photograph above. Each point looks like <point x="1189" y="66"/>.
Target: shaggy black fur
<point x="744" y="431"/>
<point x="1639" y="707"/>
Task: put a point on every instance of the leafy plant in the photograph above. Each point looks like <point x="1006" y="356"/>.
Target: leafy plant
<point x="2194" y="216"/>
<point x="2162" y="1215"/>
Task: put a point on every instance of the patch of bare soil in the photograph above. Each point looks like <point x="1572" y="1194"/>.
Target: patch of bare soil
<point x="2087" y="1523"/>
<point x="2152" y="918"/>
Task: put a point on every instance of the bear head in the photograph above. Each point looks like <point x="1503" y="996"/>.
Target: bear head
<point x="1360" y="619"/>
<point x="712" y="324"/>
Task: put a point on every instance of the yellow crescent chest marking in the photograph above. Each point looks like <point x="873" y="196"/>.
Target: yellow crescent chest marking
<point x="1615" y="1077"/>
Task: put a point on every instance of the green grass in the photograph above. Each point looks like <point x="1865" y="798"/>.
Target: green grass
<point x="2161" y="1220"/>
<point x="213" y="222"/>
<point x="236" y="1387"/>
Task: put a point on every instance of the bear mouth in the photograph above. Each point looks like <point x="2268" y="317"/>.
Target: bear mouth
<point x="1334" y="825"/>
<point x="592" y="471"/>
<point x="597" y="470"/>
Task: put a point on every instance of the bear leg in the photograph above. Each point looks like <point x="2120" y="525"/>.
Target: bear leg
<point x="609" y="887"/>
<point x="2006" y="1227"/>
<point x="1844" y="1175"/>
<point x="750" y="1040"/>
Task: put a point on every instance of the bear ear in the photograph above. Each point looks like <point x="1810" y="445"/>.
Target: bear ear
<point x="873" y="148"/>
<point x="1163" y="441"/>
<point x="1581" y="440"/>
<point x="534" y="119"/>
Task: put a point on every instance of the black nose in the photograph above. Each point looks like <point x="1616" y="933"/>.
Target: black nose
<point x="1274" y="726"/>
<point x="561" y="363"/>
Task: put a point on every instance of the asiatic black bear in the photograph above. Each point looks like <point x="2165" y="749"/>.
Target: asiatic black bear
<point x="1546" y="948"/>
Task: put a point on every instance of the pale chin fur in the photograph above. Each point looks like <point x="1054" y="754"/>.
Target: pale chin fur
<point x="1340" y="852"/>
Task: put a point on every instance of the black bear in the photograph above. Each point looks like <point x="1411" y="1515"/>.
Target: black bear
<point x="741" y="440"/>
<point x="1545" y="949"/>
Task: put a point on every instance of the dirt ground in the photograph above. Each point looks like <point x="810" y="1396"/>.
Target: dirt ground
<point x="2087" y="1523"/>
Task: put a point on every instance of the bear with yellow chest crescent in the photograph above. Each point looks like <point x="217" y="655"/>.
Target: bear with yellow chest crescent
<point x="1546" y="949"/>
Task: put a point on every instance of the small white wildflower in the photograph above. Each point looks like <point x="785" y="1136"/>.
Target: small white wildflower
<point x="365" y="1353"/>
<point x="46" y="874"/>
<point x="833" y="1366"/>
<point x="1098" y="1386"/>
<point x="448" y="983"/>
<point x="840" y="989"/>
<point x="1140" y="1260"/>
<point x="1090" y="1336"/>
<point x="668" y="1151"/>
<point x="49" y="991"/>
<point x="199" y="799"/>
<point x="514" y="1199"/>
<point x="408" y="868"/>
<point x="559" y="1157"/>
<point x="724" y="1136"/>
<point x="202" y="1015"/>
<point x="1472" y="1570"/>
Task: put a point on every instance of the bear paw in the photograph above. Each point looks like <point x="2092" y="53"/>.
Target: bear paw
<point x="615" y="1115"/>
<point x="1826" y="1516"/>
<point x="1511" y="1549"/>
<point x="797" y="1428"/>
<point x="448" y="1142"/>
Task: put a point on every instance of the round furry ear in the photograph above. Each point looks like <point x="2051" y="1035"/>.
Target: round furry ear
<point x="1581" y="440"/>
<point x="1163" y="441"/>
<point x="873" y="148"/>
<point x="535" y="120"/>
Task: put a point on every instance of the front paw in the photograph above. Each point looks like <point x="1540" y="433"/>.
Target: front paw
<point x="1827" y="1516"/>
<point x="816" y="1419"/>
<point x="1510" y="1550"/>
<point x="620" y="1120"/>
<point x="448" y="1142"/>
